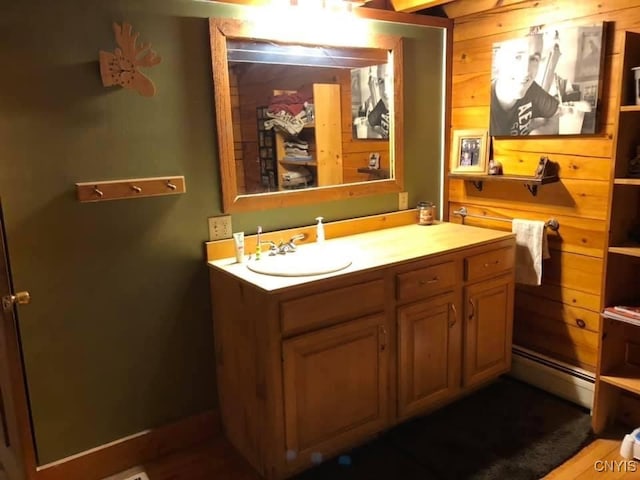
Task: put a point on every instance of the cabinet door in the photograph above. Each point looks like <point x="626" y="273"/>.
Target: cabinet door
<point x="335" y="388"/>
<point x="429" y="354"/>
<point x="488" y="329"/>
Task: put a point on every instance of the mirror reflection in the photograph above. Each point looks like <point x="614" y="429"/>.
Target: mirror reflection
<point x="309" y="116"/>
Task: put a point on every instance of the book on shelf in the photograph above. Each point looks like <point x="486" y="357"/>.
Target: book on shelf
<point x="615" y="313"/>
<point x="632" y="310"/>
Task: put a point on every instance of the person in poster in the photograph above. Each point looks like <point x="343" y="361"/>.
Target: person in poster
<point x="519" y="105"/>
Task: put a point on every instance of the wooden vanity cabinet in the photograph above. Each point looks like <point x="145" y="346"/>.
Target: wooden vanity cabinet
<point x="311" y="370"/>
<point x="488" y="314"/>
<point x="335" y="388"/>
<point x="429" y="352"/>
<point x="335" y="351"/>
<point x="488" y="322"/>
<point x="458" y="334"/>
<point x="429" y="333"/>
<point x="304" y="373"/>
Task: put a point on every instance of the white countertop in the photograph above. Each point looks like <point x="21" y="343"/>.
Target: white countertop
<point x="371" y="250"/>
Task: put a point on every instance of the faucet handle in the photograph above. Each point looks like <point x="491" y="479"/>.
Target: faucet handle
<point x="273" y="248"/>
<point x="290" y="246"/>
<point x="295" y="238"/>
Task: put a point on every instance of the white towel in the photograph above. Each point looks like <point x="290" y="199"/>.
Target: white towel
<point x="531" y="249"/>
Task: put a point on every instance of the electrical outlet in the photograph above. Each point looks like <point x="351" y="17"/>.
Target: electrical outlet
<point x="403" y="201"/>
<point x="135" y="473"/>
<point x="220" y="227"/>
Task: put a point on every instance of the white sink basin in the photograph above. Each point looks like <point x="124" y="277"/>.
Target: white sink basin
<point x="307" y="260"/>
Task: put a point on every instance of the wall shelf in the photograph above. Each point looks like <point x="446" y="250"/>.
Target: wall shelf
<point x="547" y="175"/>
<point x="531" y="183"/>
<point x="129" y="188"/>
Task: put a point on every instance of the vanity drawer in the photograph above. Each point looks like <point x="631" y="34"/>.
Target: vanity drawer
<point x="332" y="306"/>
<point x="423" y="282"/>
<point x="487" y="264"/>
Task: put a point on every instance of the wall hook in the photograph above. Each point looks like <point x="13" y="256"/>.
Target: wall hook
<point x="130" y="188"/>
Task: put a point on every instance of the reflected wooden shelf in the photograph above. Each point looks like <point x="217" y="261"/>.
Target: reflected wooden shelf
<point x="625" y="376"/>
<point x="377" y="173"/>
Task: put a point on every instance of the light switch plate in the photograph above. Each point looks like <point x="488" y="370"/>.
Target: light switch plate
<point x="403" y="201"/>
<point x="220" y="227"/>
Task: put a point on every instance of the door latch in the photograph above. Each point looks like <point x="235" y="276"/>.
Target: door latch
<point x="20" y="298"/>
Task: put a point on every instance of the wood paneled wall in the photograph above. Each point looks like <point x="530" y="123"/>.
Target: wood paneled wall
<point x="559" y="318"/>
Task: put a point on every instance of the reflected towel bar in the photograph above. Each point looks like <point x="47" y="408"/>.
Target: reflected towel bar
<point x="551" y="224"/>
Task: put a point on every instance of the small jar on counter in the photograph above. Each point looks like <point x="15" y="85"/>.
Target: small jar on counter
<point x="426" y="213"/>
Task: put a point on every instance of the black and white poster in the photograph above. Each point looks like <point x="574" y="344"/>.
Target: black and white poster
<point x="547" y="82"/>
<point x="371" y="90"/>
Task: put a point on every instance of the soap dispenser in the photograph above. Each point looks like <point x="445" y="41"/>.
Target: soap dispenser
<point x="319" y="230"/>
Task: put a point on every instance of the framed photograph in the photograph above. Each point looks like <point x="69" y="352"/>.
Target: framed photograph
<point x="469" y="151"/>
<point x="374" y="160"/>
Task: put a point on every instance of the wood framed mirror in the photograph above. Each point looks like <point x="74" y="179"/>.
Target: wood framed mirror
<point x="351" y="119"/>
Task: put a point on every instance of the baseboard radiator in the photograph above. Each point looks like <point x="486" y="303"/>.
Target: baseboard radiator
<point x="564" y="380"/>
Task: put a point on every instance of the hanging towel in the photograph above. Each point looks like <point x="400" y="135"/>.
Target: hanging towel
<point x="531" y="249"/>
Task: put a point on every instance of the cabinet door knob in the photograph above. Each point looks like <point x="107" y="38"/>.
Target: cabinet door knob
<point x="581" y="323"/>
<point x="454" y="316"/>
<point x="473" y="309"/>
<point x="383" y="338"/>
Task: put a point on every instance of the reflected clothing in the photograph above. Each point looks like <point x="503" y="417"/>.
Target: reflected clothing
<point x="536" y="103"/>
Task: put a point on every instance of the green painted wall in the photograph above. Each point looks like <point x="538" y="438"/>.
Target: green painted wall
<point x="118" y="337"/>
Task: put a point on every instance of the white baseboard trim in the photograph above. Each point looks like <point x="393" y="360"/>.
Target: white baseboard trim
<point x="576" y="387"/>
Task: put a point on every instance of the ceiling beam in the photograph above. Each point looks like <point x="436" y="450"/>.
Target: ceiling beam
<point x="409" y="6"/>
<point x="461" y="8"/>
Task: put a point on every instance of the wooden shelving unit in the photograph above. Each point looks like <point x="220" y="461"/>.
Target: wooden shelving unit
<point x="266" y="151"/>
<point x="618" y="371"/>
<point x="324" y="137"/>
<point x="626" y="377"/>
<point x="308" y="163"/>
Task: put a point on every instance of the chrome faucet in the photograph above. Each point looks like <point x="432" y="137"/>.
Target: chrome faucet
<point x="288" y="247"/>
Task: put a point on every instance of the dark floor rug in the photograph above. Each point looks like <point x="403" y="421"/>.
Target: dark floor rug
<point x="507" y="431"/>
